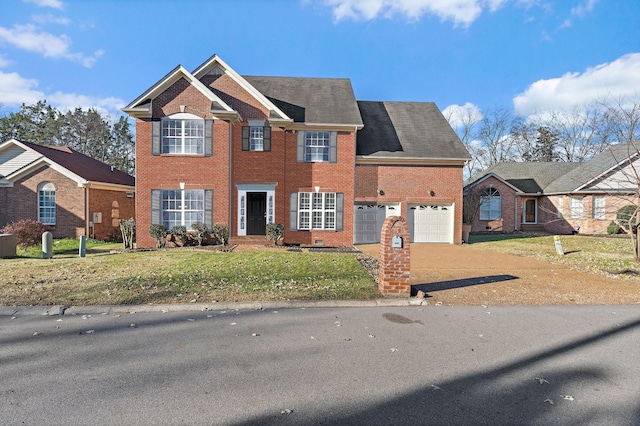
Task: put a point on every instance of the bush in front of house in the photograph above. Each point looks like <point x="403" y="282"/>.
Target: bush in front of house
<point x="613" y="228"/>
<point x="275" y="231"/>
<point x="221" y="232"/>
<point x="159" y="232"/>
<point x="623" y="217"/>
<point x="28" y="232"/>
<point x="200" y="231"/>
<point x="180" y="232"/>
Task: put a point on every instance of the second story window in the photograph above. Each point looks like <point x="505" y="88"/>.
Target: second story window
<point x="256" y="136"/>
<point x="182" y="136"/>
<point x="317" y="147"/>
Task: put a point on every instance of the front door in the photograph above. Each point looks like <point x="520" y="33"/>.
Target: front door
<point x="256" y="213"/>
<point x="530" y="211"/>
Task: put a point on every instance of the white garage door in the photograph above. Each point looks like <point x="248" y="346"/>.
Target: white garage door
<point x="433" y="224"/>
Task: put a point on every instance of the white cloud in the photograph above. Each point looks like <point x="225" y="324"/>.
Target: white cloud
<point x="459" y="115"/>
<point x="620" y="78"/>
<point x="56" y="4"/>
<point x="29" y="37"/>
<point x="16" y="90"/>
<point x="49" y="18"/>
<point x="460" y="12"/>
<point x="4" y="62"/>
<point x="583" y="9"/>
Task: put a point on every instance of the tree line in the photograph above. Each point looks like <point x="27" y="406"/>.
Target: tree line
<point x="89" y="132"/>
<point x="500" y="134"/>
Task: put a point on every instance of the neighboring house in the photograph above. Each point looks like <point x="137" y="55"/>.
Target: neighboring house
<point x="216" y="147"/>
<point x="558" y="198"/>
<point x="71" y="193"/>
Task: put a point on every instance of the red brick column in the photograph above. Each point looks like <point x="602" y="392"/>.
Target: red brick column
<point x="394" y="274"/>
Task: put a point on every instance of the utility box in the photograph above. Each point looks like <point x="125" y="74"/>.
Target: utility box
<point x="8" y="245"/>
<point x="96" y="217"/>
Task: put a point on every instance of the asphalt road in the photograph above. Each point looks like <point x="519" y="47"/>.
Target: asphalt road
<point x="542" y="365"/>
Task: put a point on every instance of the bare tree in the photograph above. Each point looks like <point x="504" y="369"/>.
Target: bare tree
<point x="495" y="137"/>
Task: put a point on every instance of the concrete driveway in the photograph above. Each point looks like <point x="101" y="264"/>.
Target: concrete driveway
<point x="462" y="275"/>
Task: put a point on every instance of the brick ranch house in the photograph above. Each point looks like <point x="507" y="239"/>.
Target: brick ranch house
<point x="557" y="198"/>
<point x="216" y="147"/>
<point x="71" y="193"/>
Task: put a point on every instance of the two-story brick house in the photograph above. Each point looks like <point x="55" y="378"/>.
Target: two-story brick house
<point x="213" y="146"/>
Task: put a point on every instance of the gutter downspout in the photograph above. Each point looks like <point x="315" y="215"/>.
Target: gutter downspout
<point x="230" y="194"/>
<point x="86" y="211"/>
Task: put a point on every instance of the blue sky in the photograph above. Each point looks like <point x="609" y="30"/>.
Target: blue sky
<point x="530" y="55"/>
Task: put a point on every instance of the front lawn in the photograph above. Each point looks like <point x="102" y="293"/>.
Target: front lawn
<point x="181" y="276"/>
<point x="601" y="255"/>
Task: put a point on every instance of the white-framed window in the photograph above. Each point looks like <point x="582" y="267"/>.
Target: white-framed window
<point x="576" y="208"/>
<point x="316" y="146"/>
<point x="490" y="204"/>
<point x="256" y="138"/>
<point x="316" y="210"/>
<point x="560" y="206"/>
<point x="598" y="207"/>
<point x="182" y="136"/>
<point x="182" y="207"/>
<point x="47" y="203"/>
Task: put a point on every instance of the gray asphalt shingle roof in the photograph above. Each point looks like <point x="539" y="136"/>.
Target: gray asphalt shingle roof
<point x="558" y="177"/>
<point x="529" y="178"/>
<point x="311" y="100"/>
<point x="407" y="130"/>
<point x="590" y="170"/>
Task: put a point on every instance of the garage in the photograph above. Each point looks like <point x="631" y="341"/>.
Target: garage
<point x="368" y="220"/>
<point x="431" y="223"/>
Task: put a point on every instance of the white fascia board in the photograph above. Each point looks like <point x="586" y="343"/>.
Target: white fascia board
<point x="174" y="75"/>
<point x="410" y="161"/>
<point x="215" y="59"/>
<point x="109" y="186"/>
<point x="324" y="126"/>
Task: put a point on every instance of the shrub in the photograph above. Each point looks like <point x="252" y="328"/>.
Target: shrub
<point x="128" y="230"/>
<point x="275" y="231"/>
<point x="613" y="228"/>
<point x="221" y="232"/>
<point x="159" y="232"/>
<point x="28" y="232"/>
<point x="201" y="231"/>
<point x="624" y="216"/>
<point x="180" y="232"/>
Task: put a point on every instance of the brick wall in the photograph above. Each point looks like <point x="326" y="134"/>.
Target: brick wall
<point x="114" y="205"/>
<point x="510" y="204"/>
<point x="586" y="224"/>
<point x="22" y="202"/>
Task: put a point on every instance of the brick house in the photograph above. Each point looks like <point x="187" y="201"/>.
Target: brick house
<point x="216" y="147"/>
<point x="557" y="198"/>
<point x="71" y="193"/>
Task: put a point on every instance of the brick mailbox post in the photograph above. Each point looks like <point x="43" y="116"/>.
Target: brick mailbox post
<point x="394" y="274"/>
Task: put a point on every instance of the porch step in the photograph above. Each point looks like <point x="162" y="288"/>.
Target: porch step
<point x="250" y="239"/>
<point x="533" y="228"/>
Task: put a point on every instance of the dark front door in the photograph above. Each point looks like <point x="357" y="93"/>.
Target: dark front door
<point x="256" y="212"/>
<point x="530" y="211"/>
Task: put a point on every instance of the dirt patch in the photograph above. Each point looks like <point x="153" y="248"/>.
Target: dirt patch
<point x="462" y="275"/>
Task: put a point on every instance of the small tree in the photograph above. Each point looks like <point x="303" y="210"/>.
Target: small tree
<point x="180" y="232"/>
<point x="275" y="231"/>
<point x="28" y="232"/>
<point x="200" y="230"/>
<point x="159" y="232"/>
<point x="221" y="232"/>
<point x="128" y="230"/>
<point x="472" y="200"/>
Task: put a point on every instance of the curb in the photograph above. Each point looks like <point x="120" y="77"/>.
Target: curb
<point x="130" y="309"/>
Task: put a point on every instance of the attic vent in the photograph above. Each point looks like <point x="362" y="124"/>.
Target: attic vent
<point x="217" y="70"/>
